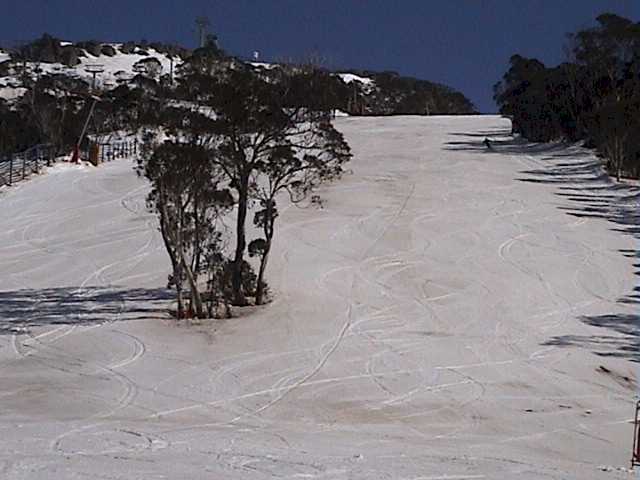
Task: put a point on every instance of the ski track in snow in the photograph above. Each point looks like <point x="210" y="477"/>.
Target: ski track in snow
<point x="409" y="337"/>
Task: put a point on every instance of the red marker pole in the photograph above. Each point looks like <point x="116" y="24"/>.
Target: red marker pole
<point x="75" y="155"/>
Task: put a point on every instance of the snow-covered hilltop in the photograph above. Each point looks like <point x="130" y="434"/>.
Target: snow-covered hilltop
<point x="113" y="64"/>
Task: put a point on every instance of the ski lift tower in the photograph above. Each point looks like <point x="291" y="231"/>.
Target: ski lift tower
<point x="202" y="23"/>
<point x="171" y="68"/>
<point x="94" y="69"/>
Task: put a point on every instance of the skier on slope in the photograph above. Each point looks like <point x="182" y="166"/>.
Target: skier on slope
<point x="487" y="143"/>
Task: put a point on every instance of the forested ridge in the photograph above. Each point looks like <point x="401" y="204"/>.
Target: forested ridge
<point x="593" y="97"/>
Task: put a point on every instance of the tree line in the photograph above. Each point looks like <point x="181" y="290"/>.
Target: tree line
<point x="594" y="96"/>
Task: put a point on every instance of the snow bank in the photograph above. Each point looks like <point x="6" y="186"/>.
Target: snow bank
<point x="268" y="66"/>
<point x="367" y="83"/>
<point x="350" y="77"/>
<point x="11" y="93"/>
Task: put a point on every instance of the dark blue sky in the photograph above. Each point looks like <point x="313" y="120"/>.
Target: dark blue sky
<point x="462" y="43"/>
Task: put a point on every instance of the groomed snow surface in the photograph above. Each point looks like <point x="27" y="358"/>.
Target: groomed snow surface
<point x="445" y="315"/>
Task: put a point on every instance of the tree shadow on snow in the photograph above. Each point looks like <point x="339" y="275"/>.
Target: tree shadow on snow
<point x="21" y="310"/>
<point x="624" y="345"/>
<point x="501" y="132"/>
<point x="582" y="180"/>
<point x="593" y="195"/>
<point x="502" y="142"/>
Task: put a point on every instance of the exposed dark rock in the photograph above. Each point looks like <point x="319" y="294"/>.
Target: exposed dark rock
<point x="108" y="50"/>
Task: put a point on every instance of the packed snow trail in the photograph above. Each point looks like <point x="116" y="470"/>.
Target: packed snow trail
<point x="450" y="313"/>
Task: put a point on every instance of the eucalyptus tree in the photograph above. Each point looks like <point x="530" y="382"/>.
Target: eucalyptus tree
<point x="260" y="127"/>
<point x="296" y="171"/>
<point x="188" y="200"/>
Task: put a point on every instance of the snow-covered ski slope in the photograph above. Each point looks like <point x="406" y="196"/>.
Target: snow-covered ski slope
<point x="451" y="313"/>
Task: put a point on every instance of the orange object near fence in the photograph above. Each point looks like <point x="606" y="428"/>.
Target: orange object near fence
<point x="94" y="152"/>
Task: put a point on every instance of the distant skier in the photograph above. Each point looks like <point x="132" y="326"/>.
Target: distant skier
<point x="487" y="144"/>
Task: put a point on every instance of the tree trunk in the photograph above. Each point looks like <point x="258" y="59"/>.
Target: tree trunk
<point x="236" y="281"/>
<point x="618" y="153"/>
<point x="180" y="312"/>
<point x="195" y="266"/>
<point x="175" y="265"/>
<point x="196" y="298"/>
<point x="268" y="234"/>
<point x="263" y="267"/>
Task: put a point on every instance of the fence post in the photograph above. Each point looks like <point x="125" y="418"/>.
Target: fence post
<point x="635" y="454"/>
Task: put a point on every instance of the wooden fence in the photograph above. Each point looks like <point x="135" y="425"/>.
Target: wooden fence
<point x="15" y="168"/>
<point x="107" y="152"/>
<point x="19" y="166"/>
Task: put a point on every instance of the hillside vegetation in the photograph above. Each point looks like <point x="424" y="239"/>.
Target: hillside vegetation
<point x="44" y="87"/>
<point x="594" y="96"/>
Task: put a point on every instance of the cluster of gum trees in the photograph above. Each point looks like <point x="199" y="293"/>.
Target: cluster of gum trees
<point x="594" y="96"/>
<point x="51" y="110"/>
<point x="230" y="141"/>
